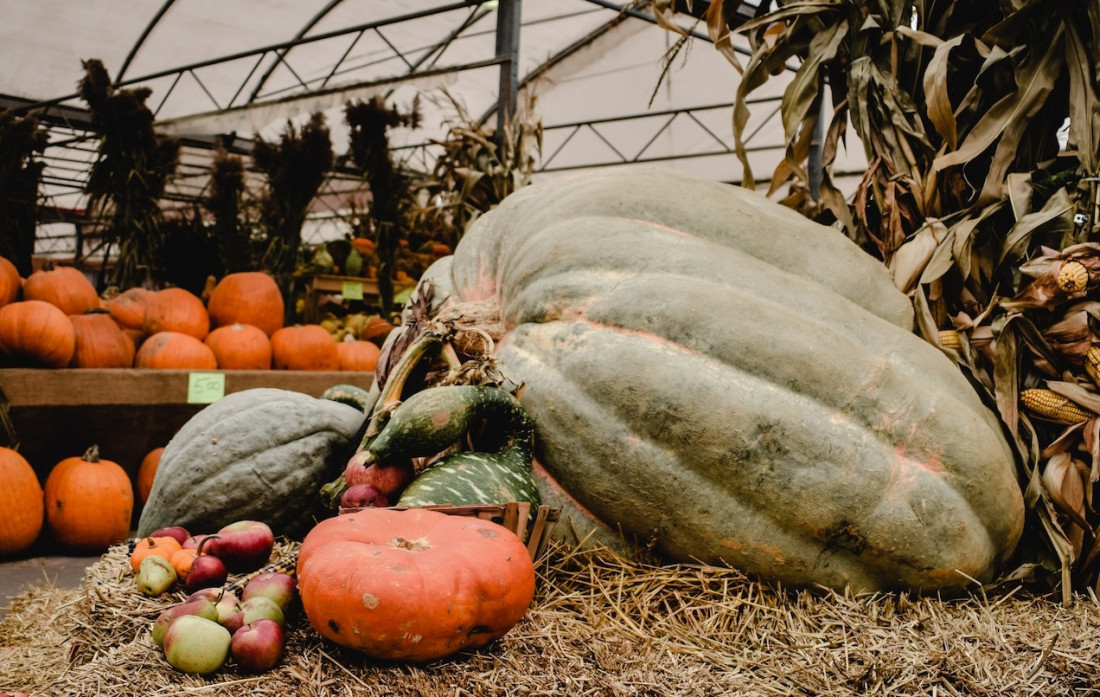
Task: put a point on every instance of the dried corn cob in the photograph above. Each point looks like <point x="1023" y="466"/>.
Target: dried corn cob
<point x="1052" y="406"/>
<point x="1073" y="277"/>
<point x="949" y="338"/>
<point x="285" y="565"/>
<point x="1092" y="364"/>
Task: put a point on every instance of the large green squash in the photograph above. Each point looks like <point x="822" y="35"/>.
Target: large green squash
<point x="260" y="454"/>
<point x="712" y="373"/>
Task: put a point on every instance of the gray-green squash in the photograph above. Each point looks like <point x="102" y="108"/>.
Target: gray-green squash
<point x="260" y="454"/>
<point x="711" y="372"/>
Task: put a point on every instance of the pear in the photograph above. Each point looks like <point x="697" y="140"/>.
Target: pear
<point x="155" y="575"/>
<point x="197" y="645"/>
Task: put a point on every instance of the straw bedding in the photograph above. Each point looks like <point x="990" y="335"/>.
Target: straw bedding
<point x="599" y="625"/>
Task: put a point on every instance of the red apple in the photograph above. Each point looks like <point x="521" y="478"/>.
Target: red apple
<point x="227" y="602"/>
<point x="390" y="479"/>
<point x="206" y="571"/>
<point x="202" y="607"/>
<point x="258" y="646"/>
<point x="244" y="546"/>
<point x="363" y="496"/>
<point x="194" y="541"/>
<point x="176" y="532"/>
<point x="280" y="587"/>
<point x="255" y="608"/>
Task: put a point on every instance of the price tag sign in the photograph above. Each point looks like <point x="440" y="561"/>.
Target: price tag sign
<point x="205" y="388"/>
<point x="351" y="290"/>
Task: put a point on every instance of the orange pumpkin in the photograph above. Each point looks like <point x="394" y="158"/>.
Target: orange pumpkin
<point x="128" y="307"/>
<point x="89" y="502"/>
<point x="304" y="347"/>
<point x="21" y="503"/>
<point x="240" y="347"/>
<point x="363" y="245"/>
<point x="147" y="471"/>
<point x="176" y="310"/>
<point x="11" y="283"/>
<point x="100" y="342"/>
<point x="35" y="333"/>
<point x="248" y="297"/>
<point x="358" y="355"/>
<point x="174" y="351"/>
<point x="153" y="547"/>
<point x="376" y="330"/>
<point x="425" y="584"/>
<point x="183" y="560"/>
<point x="65" y="287"/>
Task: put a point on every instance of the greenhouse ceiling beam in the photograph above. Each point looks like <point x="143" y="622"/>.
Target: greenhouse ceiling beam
<point x="270" y="48"/>
<point x="141" y="40"/>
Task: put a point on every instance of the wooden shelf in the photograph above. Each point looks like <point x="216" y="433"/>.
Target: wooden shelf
<point x="127" y="412"/>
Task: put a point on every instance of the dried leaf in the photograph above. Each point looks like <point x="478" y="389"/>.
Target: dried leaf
<point x="911" y="260"/>
<point x="1084" y="105"/>
<point x="937" y="100"/>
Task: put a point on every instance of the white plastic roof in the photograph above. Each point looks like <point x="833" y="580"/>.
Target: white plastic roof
<point x="245" y="67"/>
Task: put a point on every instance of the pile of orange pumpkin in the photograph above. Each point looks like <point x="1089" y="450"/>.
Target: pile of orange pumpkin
<point x="55" y="319"/>
<point x="85" y="506"/>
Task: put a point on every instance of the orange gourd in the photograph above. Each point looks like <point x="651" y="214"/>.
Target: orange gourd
<point x="376" y="330"/>
<point x="247" y="297"/>
<point x="11" y="283"/>
<point x="35" y="333"/>
<point x="240" y="347"/>
<point x="21" y="503"/>
<point x="176" y="310"/>
<point x="174" y="351"/>
<point x="165" y="547"/>
<point x="363" y="245"/>
<point x="147" y="471"/>
<point x="64" y="287"/>
<point x="304" y="347"/>
<point x="358" y="355"/>
<point x="100" y="342"/>
<point x="89" y="502"/>
<point x="128" y="307"/>
<point x="425" y="584"/>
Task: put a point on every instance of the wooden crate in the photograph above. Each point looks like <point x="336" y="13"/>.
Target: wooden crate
<point x="126" y="411"/>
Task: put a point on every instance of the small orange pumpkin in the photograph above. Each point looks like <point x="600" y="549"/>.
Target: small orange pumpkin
<point x="175" y="351"/>
<point x="100" y="342"/>
<point x="182" y="561"/>
<point x="164" y="547"/>
<point x="11" y="283"/>
<point x="247" y="297"/>
<point x="89" y="502"/>
<point x="376" y="330"/>
<point x="128" y="307"/>
<point x="358" y="355"/>
<point x="35" y="333"/>
<point x="304" y="347"/>
<point x="240" y="347"/>
<point x="65" y="287"/>
<point x="176" y="310"/>
<point x="147" y="471"/>
<point x="21" y="503"/>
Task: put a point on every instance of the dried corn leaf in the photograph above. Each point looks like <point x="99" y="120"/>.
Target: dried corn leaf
<point x="938" y="102"/>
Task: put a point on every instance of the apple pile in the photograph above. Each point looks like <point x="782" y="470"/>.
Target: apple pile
<point x="200" y="634"/>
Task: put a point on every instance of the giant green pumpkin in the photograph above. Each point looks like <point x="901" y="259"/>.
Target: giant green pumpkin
<point x="713" y="374"/>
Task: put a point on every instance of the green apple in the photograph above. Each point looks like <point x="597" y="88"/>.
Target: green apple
<point x="155" y="575"/>
<point x="197" y="645"/>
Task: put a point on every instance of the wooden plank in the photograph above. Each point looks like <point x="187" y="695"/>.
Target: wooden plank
<point x="27" y="387"/>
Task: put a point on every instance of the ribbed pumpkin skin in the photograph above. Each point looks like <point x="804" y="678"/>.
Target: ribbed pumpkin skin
<point x="260" y="454"/>
<point x="240" y="347"/>
<point x="248" y="297"/>
<point x="696" y="372"/>
<point x="65" y="287"/>
<point x="21" y="502"/>
<point x="414" y="585"/>
<point x="128" y="307"/>
<point x="89" y="503"/>
<point x="357" y="355"/>
<point x="100" y="342"/>
<point x="37" y="334"/>
<point x="304" y="347"/>
<point x="176" y="310"/>
<point x="11" y="285"/>
<point x="174" y="351"/>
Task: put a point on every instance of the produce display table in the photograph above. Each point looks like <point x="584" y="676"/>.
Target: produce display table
<point x="128" y="412"/>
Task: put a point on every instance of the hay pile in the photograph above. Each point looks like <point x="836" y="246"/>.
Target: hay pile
<point x="600" y="625"/>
